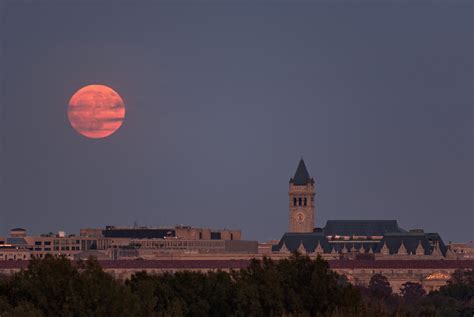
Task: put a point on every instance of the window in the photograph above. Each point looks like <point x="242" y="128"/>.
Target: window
<point x="215" y="235"/>
<point x="294" y="201"/>
<point x="37" y="242"/>
<point x="231" y="236"/>
<point x="305" y="201"/>
<point x="299" y="201"/>
<point x="47" y="243"/>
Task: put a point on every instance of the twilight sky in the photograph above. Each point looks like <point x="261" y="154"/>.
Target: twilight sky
<point x="222" y="100"/>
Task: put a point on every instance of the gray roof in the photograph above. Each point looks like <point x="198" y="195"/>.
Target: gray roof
<point x="18" y="229"/>
<point x="301" y="175"/>
<point x="16" y="241"/>
<point x="393" y="241"/>
<point x="411" y="241"/>
<point x="138" y="233"/>
<point x="309" y="240"/>
<point x="361" y="227"/>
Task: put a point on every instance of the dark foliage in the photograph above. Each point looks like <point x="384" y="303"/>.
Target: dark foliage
<point x="296" y="286"/>
<point x="379" y="287"/>
<point x="411" y="292"/>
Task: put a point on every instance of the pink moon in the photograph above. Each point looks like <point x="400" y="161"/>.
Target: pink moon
<point x="96" y="111"/>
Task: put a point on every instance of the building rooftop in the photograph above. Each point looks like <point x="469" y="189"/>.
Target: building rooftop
<point x="138" y="233"/>
<point x="301" y="176"/>
<point x="361" y="227"/>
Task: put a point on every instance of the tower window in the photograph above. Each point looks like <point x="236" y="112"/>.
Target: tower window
<point x="294" y="201"/>
<point x="305" y="201"/>
<point x="299" y="201"/>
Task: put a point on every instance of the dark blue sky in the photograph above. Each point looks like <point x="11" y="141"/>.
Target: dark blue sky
<point x="223" y="99"/>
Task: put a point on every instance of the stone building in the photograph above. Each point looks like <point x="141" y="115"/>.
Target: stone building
<point x="367" y="239"/>
<point x="124" y="242"/>
<point x="301" y="195"/>
<point x="357" y="249"/>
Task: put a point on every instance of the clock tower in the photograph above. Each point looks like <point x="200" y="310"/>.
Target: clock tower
<point x="301" y="195"/>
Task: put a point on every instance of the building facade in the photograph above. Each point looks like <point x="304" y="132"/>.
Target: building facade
<point x="301" y="201"/>
<point x="124" y="242"/>
<point x="357" y="249"/>
<point x="351" y="239"/>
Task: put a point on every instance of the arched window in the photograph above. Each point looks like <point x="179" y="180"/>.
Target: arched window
<point x="294" y="201"/>
<point x="305" y="201"/>
<point x="299" y="201"/>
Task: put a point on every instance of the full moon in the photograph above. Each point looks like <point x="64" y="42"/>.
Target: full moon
<point x="96" y="111"/>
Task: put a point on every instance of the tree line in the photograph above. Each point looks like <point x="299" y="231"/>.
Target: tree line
<point x="297" y="286"/>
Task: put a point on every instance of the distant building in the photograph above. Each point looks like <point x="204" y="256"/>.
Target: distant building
<point x="381" y="239"/>
<point x="357" y="249"/>
<point x="464" y="250"/>
<point x="301" y="194"/>
<point x="125" y="242"/>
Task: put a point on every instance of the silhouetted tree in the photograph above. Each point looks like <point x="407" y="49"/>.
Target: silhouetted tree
<point x="143" y="286"/>
<point x="462" y="277"/>
<point x="48" y="284"/>
<point x="379" y="287"/>
<point x="412" y="291"/>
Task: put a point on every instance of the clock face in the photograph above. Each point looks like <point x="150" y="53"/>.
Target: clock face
<point x="299" y="217"/>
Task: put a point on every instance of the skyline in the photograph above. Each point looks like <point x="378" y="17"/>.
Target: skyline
<point x="223" y="100"/>
<point x="300" y="173"/>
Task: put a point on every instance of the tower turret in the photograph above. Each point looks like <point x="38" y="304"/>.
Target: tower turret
<point x="301" y="195"/>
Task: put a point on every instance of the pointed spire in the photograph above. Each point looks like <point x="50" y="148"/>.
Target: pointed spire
<point x="333" y="250"/>
<point x="301" y="248"/>
<point x="318" y="249"/>
<point x="370" y="250"/>
<point x="450" y="253"/>
<point x="384" y="250"/>
<point x="402" y="250"/>
<point x="419" y="249"/>
<point x="436" y="251"/>
<point x="344" y="250"/>
<point x="301" y="175"/>
<point x="284" y="249"/>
